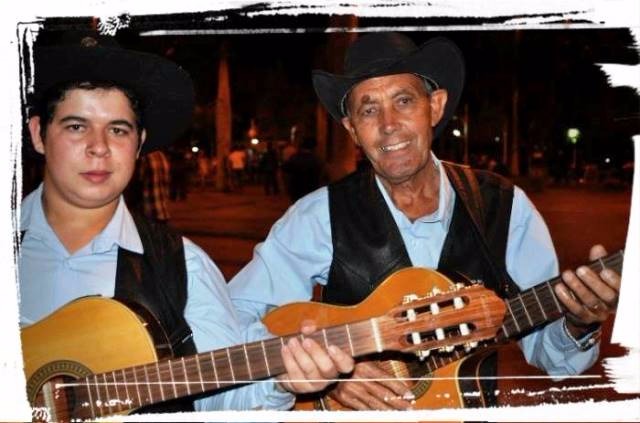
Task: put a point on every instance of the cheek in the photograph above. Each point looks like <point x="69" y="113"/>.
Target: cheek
<point x="125" y="156"/>
<point x="62" y="151"/>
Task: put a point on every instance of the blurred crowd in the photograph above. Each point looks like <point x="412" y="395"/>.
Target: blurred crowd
<point x="168" y="175"/>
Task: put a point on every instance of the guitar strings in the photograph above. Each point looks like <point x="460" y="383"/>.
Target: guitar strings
<point x="113" y="403"/>
<point x="544" y="298"/>
<point x="518" y="306"/>
<point x="381" y="379"/>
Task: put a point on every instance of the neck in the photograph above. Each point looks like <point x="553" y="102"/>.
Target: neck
<point x="75" y="226"/>
<point x="418" y="195"/>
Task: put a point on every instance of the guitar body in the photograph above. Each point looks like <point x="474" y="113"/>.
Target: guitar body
<point x="438" y="390"/>
<point x="87" y="336"/>
<point x="96" y="357"/>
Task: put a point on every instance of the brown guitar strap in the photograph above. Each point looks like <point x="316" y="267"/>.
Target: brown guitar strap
<point x="466" y="184"/>
<point x="467" y="187"/>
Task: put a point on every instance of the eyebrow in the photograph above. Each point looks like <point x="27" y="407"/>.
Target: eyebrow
<point x="75" y="118"/>
<point x="365" y="99"/>
<point x="404" y="91"/>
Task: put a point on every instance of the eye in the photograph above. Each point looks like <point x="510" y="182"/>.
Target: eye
<point x="75" y="127"/>
<point x="119" y="131"/>
<point x="405" y="100"/>
<point x="368" y="111"/>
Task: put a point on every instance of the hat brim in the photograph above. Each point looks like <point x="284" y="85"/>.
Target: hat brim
<point x="165" y="90"/>
<point x="438" y="59"/>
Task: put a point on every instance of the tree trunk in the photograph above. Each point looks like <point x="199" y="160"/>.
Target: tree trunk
<point x="223" y="119"/>
<point x="340" y="151"/>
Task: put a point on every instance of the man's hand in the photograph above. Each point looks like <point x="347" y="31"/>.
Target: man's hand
<point x="311" y="368"/>
<point x="588" y="296"/>
<point x="386" y="393"/>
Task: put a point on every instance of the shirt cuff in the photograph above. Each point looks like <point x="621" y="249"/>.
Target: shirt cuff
<point x="275" y="399"/>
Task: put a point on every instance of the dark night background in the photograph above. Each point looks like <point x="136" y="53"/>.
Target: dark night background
<point x="553" y="72"/>
<point x="525" y="85"/>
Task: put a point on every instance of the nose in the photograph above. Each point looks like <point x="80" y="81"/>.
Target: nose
<point x="98" y="145"/>
<point x="389" y="121"/>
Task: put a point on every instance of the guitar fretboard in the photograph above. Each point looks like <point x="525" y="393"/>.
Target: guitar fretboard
<point x="125" y="389"/>
<point x="539" y="305"/>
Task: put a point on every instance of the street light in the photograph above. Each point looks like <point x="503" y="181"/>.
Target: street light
<point x="573" y="134"/>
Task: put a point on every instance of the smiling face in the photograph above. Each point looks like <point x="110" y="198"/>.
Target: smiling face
<point x="392" y="119"/>
<point x="90" y="146"/>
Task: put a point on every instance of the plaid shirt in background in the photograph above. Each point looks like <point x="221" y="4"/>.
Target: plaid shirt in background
<point x="155" y="175"/>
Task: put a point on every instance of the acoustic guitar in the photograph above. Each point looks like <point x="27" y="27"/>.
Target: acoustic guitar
<point x="446" y="377"/>
<point x="94" y="357"/>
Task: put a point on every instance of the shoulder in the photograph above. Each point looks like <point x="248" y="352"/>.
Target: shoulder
<point x="26" y="208"/>
<point x="162" y="238"/>
<point x="489" y="178"/>
<point x="484" y="177"/>
<point x="523" y="208"/>
<point x="29" y="209"/>
<point x="307" y="215"/>
<point x="200" y="267"/>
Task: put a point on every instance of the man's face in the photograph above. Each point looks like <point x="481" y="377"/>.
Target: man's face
<point x="391" y="118"/>
<point x="90" y="147"/>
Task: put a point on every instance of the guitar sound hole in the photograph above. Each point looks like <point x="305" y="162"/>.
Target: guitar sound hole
<point x="53" y="403"/>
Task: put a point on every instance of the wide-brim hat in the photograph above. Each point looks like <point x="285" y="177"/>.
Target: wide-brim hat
<point x="164" y="89"/>
<point x="438" y="61"/>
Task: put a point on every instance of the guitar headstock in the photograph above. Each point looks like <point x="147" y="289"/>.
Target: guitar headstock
<point x="463" y="315"/>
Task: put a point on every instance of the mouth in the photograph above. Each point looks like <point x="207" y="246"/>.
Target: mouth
<point x="394" y="147"/>
<point x="96" y="176"/>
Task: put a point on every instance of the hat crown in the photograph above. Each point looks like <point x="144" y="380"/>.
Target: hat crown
<point x="376" y="50"/>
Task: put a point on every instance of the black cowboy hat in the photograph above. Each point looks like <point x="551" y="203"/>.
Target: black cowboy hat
<point x="164" y="89"/>
<point x="438" y="61"/>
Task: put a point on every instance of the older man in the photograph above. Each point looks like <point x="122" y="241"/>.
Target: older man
<point x="412" y="209"/>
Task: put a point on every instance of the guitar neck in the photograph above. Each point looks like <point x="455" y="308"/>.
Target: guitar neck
<point x="125" y="389"/>
<point x="539" y="305"/>
<point x="528" y="310"/>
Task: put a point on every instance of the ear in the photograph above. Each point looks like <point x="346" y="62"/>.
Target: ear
<point x="438" y="101"/>
<point x="36" y="137"/>
<point x="143" y="137"/>
<point x="346" y="122"/>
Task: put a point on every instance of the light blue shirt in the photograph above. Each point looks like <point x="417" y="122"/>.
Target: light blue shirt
<point x="51" y="277"/>
<point x="297" y="255"/>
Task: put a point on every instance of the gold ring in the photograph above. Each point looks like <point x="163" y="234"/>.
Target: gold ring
<point x="595" y="307"/>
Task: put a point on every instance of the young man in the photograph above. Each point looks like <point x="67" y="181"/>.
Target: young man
<point x="96" y="109"/>
<point x="411" y="209"/>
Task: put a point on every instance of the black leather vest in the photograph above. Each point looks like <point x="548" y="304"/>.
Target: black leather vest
<point x="154" y="285"/>
<point x="367" y="246"/>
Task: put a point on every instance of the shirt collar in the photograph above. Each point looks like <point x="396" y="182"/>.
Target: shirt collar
<point x="121" y="229"/>
<point x="446" y="197"/>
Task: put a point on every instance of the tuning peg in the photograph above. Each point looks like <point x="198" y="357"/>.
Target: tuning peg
<point x="458" y="304"/>
<point x="470" y="345"/>
<point x="415" y="336"/>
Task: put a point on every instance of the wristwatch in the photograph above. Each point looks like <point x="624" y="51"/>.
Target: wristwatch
<point x="587" y="341"/>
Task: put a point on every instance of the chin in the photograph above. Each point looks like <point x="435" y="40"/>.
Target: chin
<point x="96" y="201"/>
<point x="400" y="172"/>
